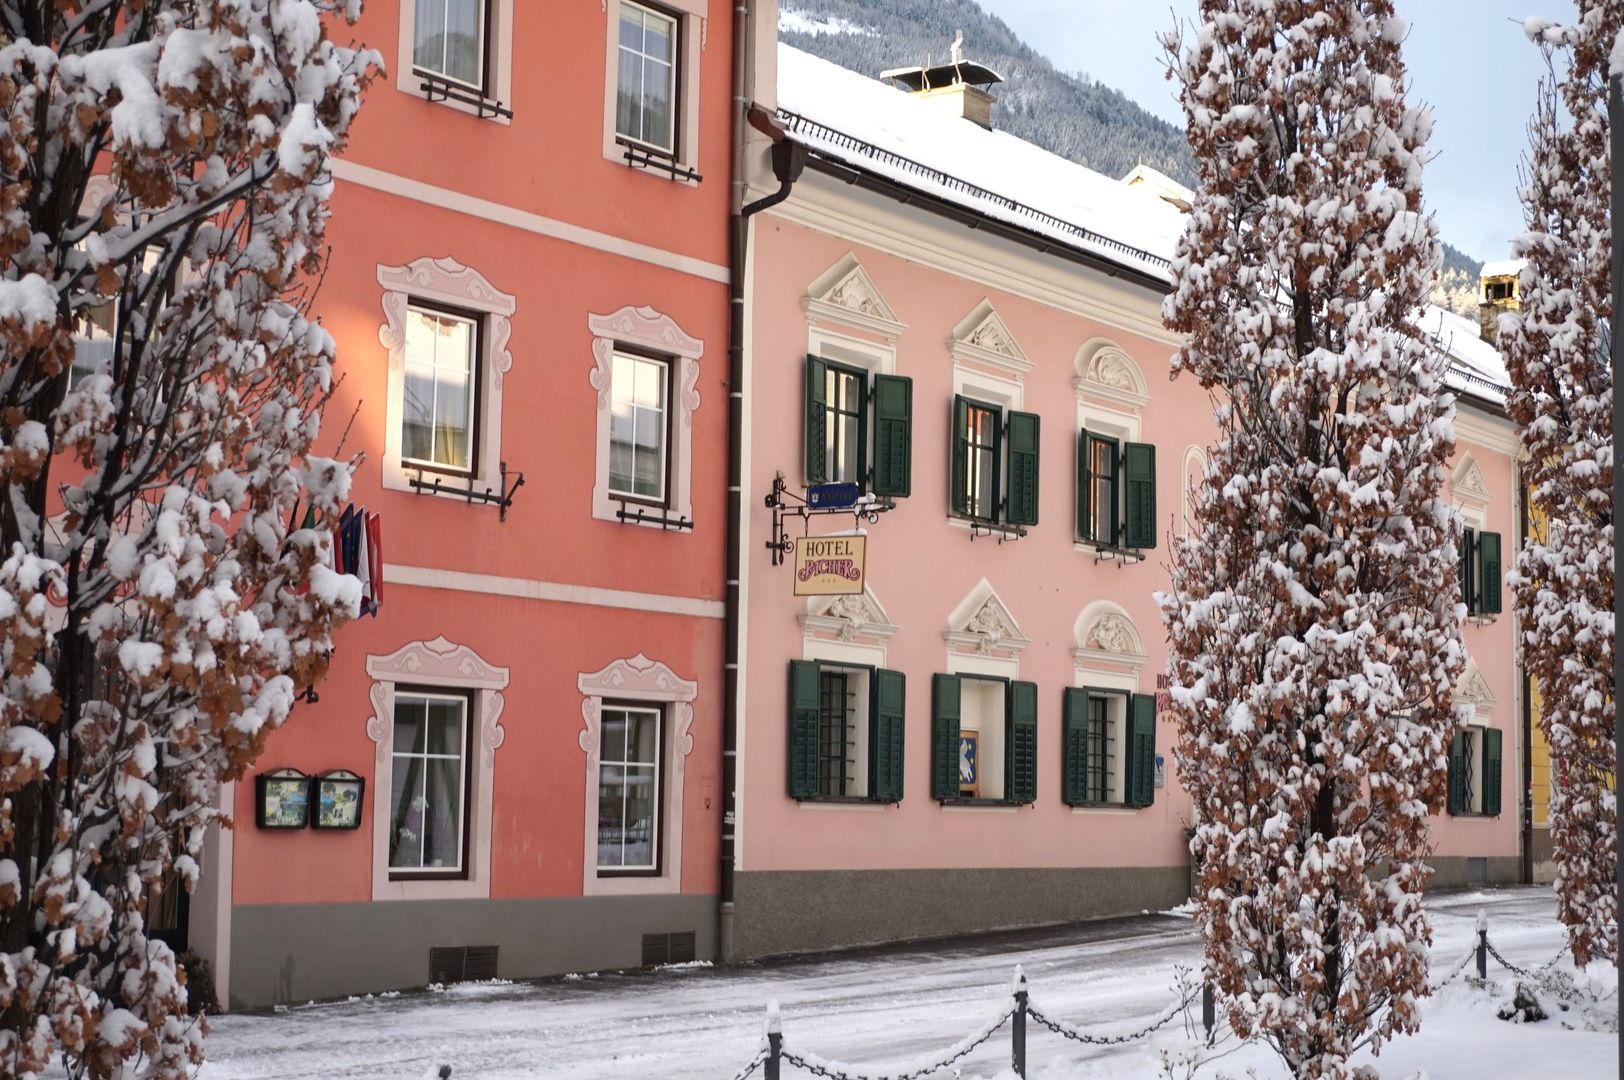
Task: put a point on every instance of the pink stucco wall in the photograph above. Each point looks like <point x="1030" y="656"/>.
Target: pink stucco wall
<point x="920" y="566"/>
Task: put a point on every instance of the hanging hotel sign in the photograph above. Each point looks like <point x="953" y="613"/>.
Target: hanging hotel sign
<point x="829" y="565"/>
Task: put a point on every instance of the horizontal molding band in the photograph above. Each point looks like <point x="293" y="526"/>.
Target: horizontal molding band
<point x="407" y="188"/>
<point x="558" y="592"/>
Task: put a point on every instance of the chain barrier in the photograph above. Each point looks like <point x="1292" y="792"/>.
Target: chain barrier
<point x="832" y="1071"/>
<point x="755" y="1063"/>
<point x="1527" y="973"/>
<point x="1465" y="961"/>
<point x="1060" y="1027"/>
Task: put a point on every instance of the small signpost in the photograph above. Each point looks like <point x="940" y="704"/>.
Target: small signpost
<point x="829" y="565"/>
<point x="833" y="496"/>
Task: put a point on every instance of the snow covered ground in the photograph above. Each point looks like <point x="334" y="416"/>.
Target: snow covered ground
<point x="885" y="1008"/>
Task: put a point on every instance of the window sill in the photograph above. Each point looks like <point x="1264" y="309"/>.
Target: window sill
<point x="636" y="155"/>
<point x="1482" y="620"/>
<point x="1473" y="815"/>
<point x="439" y="90"/>
<point x="608" y="873"/>
<point x="982" y="527"/>
<point x="1103" y="552"/>
<point x="850" y="802"/>
<point x="652" y="514"/>
<point x="1106" y="809"/>
<point x="997" y="806"/>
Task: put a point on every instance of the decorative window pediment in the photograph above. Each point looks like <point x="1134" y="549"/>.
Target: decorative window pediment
<point x="983" y="623"/>
<point x="1473" y="689"/>
<point x="844" y="294"/>
<point x="1469" y="485"/>
<point x="848" y="617"/>
<point x="637" y="678"/>
<point x="1105" y="634"/>
<point x="982" y="338"/>
<point x="1105" y="371"/>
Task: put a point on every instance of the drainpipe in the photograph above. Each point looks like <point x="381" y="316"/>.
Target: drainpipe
<point x="788" y="160"/>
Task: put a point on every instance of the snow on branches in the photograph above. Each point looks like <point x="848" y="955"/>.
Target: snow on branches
<point x="1557" y="349"/>
<point x="1313" y="621"/>
<point x="163" y="197"/>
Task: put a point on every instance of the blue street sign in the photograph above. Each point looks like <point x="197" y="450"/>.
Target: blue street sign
<point x="832" y="496"/>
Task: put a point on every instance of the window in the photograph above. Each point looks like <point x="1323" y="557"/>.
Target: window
<point x="838" y="404"/>
<point x="983" y="468"/>
<point x="629" y="789"/>
<point x="638" y="427"/>
<point x="1108" y="748"/>
<point x="1116" y="491"/>
<point x="1474" y="771"/>
<point x="94" y="346"/>
<point x="1480" y="572"/>
<point x="449" y="39"/>
<point x="439" y="397"/>
<point x="845" y="731"/>
<point x="983" y="739"/>
<point x="428" y="785"/>
<point x="646" y="96"/>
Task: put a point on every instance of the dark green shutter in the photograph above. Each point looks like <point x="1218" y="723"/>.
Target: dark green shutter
<point x="1488" y="568"/>
<point x="1022" y="486"/>
<point x="1142" y="751"/>
<point x="1085" y="489"/>
<point x="959" y="446"/>
<point x="1139" y="495"/>
<point x="1457" y="773"/>
<point x="1021" y="762"/>
<point x="817" y="421"/>
<point x="893" y="435"/>
<point x="1468" y="542"/>
<point x="1074" y="707"/>
<point x="885" y="736"/>
<point x="803" y="729"/>
<point x="1491" y="771"/>
<point x="944" y="737"/>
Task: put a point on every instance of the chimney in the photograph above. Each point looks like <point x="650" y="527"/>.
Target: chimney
<point x="1498" y="291"/>
<point x="956" y="87"/>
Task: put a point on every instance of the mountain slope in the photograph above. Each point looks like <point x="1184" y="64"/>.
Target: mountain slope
<point x="1067" y="114"/>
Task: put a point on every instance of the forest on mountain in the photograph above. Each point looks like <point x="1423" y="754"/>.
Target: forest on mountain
<point x="1066" y="113"/>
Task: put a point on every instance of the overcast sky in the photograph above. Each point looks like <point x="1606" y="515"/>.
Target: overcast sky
<point x="1467" y="59"/>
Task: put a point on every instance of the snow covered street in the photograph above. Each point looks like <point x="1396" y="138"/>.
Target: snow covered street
<point x="888" y="1007"/>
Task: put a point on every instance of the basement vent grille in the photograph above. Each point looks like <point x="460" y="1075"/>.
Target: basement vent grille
<point x="668" y="948"/>
<point x="1477" y="871"/>
<point x="462" y="963"/>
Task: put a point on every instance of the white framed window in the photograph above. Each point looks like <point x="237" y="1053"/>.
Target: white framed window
<point x="629" y="788"/>
<point x="651" y="76"/>
<point x="632" y="349"/>
<point x="981" y="719"/>
<point x="449" y="39"/>
<point x="646" y="82"/>
<point x="466" y="43"/>
<point x="639" y="426"/>
<point x="636" y="740"/>
<point x="428" y="785"/>
<point x="440" y="397"/>
<point x="446" y="328"/>
<point x="96" y="342"/>
<point x="433" y="700"/>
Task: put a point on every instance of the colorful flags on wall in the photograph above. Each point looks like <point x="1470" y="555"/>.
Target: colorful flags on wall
<point x="358" y="550"/>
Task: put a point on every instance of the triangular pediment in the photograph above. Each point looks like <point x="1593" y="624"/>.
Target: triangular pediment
<point x="984" y="621"/>
<point x="1473" y="688"/>
<point x="983" y="337"/>
<point x="845" y="293"/>
<point x="1469" y="481"/>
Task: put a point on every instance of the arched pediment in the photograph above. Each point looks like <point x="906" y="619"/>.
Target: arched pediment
<point x="1105" y="632"/>
<point x="1104" y="369"/>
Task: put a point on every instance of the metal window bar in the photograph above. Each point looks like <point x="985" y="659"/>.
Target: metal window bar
<point x="658" y="515"/>
<point x="837" y="732"/>
<point x="1468" y="772"/>
<point x="641" y="158"/>
<point x="439" y="88"/>
<point x="1100" y="746"/>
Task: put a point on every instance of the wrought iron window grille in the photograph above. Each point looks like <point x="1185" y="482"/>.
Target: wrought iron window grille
<point x="644" y="514"/>
<point x="1111" y="553"/>
<point x="439" y="88"/>
<point x="785" y="504"/>
<point x="501" y="498"/>
<point x="639" y="157"/>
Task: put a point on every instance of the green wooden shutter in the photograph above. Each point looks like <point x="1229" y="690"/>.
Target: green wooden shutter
<point x="817" y="421"/>
<point x="1457" y="773"/>
<point x="1142" y="750"/>
<point x="1074" y="706"/>
<point x="885" y="736"/>
<point x="944" y="737"/>
<point x="959" y="448"/>
<point x="1085" y="489"/>
<point x="1491" y="771"/>
<point x="893" y="435"/>
<point x="803" y="729"/>
<point x="1468" y="544"/>
<point x="1139" y="495"/>
<point x="1021" y="507"/>
<point x="1021" y="760"/>
<point x="1488" y="568"/>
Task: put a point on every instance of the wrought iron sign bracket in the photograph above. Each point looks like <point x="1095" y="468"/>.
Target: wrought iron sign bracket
<point x="652" y="515"/>
<point x="639" y="158"/>
<point x="436" y="88"/>
<point x="501" y="498"/>
<point x="785" y="504"/>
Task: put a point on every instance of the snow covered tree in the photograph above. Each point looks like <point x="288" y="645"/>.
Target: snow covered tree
<point x="1313" y="622"/>
<point x="1557" y="348"/>
<point x="163" y="196"/>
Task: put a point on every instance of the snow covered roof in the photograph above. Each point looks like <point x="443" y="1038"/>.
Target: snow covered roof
<point x="853" y="119"/>
<point x="1503" y="267"/>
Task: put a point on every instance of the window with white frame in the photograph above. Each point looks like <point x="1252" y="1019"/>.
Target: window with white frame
<point x="638" y="426"/>
<point x="449" y="39"/>
<point x="440" y="396"/>
<point x="646" y="84"/>
<point x="1475" y="754"/>
<point x="428" y="785"/>
<point x="96" y="342"/>
<point x="629" y="788"/>
<point x="981" y="737"/>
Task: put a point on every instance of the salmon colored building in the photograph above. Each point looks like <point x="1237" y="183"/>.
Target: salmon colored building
<point x="528" y="286"/>
<point x="968" y="329"/>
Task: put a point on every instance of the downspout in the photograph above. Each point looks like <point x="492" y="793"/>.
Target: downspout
<point x="788" y="159"/>
<point x="1525" y="690"/>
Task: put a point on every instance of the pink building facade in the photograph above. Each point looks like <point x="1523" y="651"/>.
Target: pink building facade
<point x="969" y="328"/>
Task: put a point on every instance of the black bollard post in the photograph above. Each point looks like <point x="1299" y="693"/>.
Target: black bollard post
<point x="1017" y="1039"/>
<point x="1209" y="1010"/>
<point x="1483" y="945"/>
